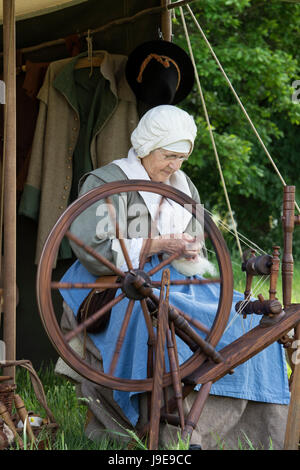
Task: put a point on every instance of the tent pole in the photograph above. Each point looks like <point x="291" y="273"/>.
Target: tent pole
<point x="166" y="24"/>
<point x="9" y="272"/>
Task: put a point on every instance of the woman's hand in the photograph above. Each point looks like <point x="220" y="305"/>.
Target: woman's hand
<point x="182" y="243"/>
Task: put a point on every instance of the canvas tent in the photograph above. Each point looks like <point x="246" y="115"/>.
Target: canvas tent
<point x="38" y="30"/>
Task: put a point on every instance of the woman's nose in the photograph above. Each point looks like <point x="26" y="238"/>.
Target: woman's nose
<point x="175" y="165"/>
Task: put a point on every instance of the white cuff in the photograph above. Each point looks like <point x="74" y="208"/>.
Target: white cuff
<point x="134" y="246"/>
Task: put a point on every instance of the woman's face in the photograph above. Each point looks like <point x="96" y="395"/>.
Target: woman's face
<point x="160" y="164"/>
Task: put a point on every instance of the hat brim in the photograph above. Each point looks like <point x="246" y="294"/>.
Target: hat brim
<point x="165" y="48"/>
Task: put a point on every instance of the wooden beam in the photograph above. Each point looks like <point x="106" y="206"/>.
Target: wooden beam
<point x="166" y="22"/>
<point x="9" y="272"/>
<point x="164" y="10"/>
<point x="244" y="348"/>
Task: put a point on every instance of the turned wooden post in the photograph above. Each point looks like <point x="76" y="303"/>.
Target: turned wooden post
<point x="249" y="279"/>
<point x="274" y="273"/>
<point x="288" y="221"/>
<point x="22" y="412"/>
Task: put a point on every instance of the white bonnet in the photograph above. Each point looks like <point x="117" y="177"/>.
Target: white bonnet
<point x="162" y="126"/>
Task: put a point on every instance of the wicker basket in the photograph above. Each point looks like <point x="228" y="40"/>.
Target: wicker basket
<point x="46" y="433"/>
<point x="7" y="395"/>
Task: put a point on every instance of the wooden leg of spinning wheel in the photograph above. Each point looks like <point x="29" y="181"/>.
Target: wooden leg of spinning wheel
<point x="174" y="368"/>
<point x="157" y="392"/>
<point x="196" y="410"/>
<point x="159" y="366"/>
<point x="292" y="433"/>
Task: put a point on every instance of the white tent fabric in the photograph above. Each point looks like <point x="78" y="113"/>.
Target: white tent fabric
<point x="31" y="8"/>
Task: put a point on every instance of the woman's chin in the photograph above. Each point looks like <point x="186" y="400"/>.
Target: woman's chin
<point x="163" y="178"/>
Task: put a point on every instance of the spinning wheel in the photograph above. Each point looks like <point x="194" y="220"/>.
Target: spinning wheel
<point x="138" y="286"/>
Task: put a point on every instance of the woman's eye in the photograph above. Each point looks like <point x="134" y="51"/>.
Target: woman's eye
<point x="169" y="157"/>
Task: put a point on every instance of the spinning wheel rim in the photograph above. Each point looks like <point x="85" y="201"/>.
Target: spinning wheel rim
<point x="49" y="253"/>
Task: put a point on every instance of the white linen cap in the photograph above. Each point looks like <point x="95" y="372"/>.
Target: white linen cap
<point x="181" y="146"/>
<point x="161" y="127"/>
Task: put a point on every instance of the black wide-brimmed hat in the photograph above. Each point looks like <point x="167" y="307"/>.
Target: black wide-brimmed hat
<point x="160" y="72"/>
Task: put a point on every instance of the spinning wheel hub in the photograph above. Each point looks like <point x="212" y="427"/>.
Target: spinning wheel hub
<point x="136" y="284"/>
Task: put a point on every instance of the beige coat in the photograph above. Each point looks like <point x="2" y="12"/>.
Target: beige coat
<point x="47" y="190"/>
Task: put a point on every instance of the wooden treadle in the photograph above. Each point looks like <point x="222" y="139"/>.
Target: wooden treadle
<point x="244" y="348"/>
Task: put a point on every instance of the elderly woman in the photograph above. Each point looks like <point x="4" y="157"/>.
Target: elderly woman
<point x="253" y="400"/>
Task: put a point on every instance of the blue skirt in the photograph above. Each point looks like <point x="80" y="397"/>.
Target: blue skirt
<point x="262" y="378"/>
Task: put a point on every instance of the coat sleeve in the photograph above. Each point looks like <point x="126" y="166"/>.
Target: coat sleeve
<point x="30" y="200"/>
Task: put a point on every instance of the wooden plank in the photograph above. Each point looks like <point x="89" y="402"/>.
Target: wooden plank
<point x="245" y="347"/>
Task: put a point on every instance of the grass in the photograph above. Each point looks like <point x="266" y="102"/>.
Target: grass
<point x="70" y="412"/>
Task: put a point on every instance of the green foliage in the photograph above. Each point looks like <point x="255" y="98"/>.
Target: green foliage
<point x="257" y="45"/>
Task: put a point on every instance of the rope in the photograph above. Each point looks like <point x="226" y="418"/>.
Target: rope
<point x="211" y="133"/>
<point x="258" y="285"/>
<point x="238" y="100"/>
<point x="245" y="240"/>
<point x="89" y="40"/>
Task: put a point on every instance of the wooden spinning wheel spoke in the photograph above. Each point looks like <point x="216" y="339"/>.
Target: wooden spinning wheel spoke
<point x="148" y="322"/>
<point x="85" y="285"/>
<point x="121" y="337"/>
<point x="112" y="213"/>
<point x="174" y="368"/>
<point x="147" y="245"/>
<point x="89" y="321"/>
<point x="182" y="282"/>
<point x="95" y="255"/>
<point x="151" y="345"/>
<point x="145" y="251"/>
<point x="193" y="321"/>
<point x="164" y="263"/>
<point x="151" y="336"/>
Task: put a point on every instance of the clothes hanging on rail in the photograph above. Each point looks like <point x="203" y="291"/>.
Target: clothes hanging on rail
<point x="27" y="88"/>
<point x="84" y="122"/>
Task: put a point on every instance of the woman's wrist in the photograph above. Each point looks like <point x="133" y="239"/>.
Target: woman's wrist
<point x="155" y="247"/>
